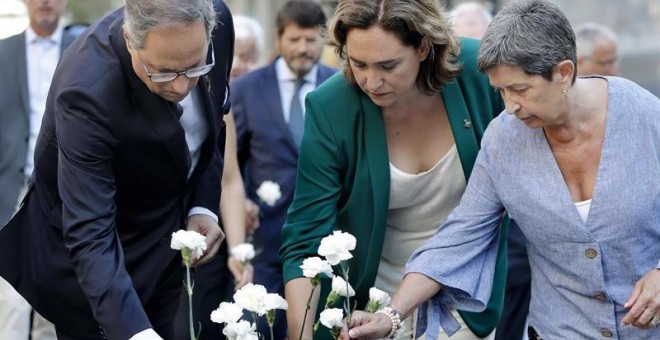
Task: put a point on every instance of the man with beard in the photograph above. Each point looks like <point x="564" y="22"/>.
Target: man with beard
<point x="268" y="107"/>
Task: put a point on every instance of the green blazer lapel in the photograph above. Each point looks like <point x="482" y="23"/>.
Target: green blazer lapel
<point x="461" y="126"/>
<point x="377" y="157"/>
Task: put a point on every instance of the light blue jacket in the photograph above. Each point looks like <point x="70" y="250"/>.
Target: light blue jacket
<point x="582" y="273"/>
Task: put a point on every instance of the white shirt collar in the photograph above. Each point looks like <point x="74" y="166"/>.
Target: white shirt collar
<point x="284" y="73"/>
<point x="31" y="36"/>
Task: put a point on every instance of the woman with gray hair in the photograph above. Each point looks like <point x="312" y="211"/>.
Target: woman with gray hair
<point x="565" y="163"/>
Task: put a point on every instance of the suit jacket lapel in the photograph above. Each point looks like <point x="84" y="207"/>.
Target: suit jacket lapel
<point x="375" y="147"/>
<point x="461" y="126"/>
<point x="67" y="39"/>
<point x="161" y="114"/>
<point x="21" y="73"/>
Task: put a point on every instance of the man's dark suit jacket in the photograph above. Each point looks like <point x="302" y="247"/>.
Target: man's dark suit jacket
<point x="90" y="247"/>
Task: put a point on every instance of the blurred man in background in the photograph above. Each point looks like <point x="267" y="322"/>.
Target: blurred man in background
<point x="268" y="106"/>
<point x="28" y="62"/>
<point x="596" y="50"/>
<point x="470" y="19"/>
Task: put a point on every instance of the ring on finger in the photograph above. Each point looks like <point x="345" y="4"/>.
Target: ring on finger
<point x="655" y="321"/>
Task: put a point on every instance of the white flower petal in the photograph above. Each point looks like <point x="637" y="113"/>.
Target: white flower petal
<point x="332" y="317"/>
<point x="227" y="313"/>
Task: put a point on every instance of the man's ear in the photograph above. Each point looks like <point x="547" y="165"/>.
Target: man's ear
<point x="126" y="38"/>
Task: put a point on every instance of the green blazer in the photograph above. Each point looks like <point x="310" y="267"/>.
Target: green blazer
<point x="343" y="178"/>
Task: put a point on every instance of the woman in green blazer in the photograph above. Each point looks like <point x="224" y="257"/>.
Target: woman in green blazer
<point x="409" y="92"/>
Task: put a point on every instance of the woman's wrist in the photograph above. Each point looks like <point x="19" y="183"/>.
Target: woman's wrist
<point x="395" y="318"/>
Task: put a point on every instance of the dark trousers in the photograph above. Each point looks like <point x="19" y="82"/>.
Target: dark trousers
<point x="518" y="289"/>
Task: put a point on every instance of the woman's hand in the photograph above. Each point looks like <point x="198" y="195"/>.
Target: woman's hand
<point x="644" y="302"/>
<point x="243" y="274"/>
<point x="365" y="325"/>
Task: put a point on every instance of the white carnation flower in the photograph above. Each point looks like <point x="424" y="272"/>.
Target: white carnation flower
<point x="336" y="247"/>
<point x="313" y="266"/>
<point x="269" y="192"/>
<point x="332" y="317"/>
<point x="191" y="240"/>
<point x="227" y="313"/>
<point x="239" y="330"/>
<point x="243" y="252"/>
<point x="273" y="301"/>
<point x="341" y="288"/>
<point x="377" y="299"/>
<point x="379" y="296"/>
<point x="251" y="297"/>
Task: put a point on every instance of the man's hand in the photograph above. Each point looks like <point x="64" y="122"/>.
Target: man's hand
<point x="243" y="274"/>
<point x="251" y="216"/>
<point x="208" y="227"/>
<point x="644" y="302"/>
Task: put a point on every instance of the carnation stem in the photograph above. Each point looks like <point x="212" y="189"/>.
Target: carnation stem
<point x="309" y="305"/>
<point x="344" y="271"/>
<point x="190" y="304"/>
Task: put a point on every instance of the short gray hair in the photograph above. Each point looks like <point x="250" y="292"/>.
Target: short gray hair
<point x="248" y="28"/>
<point x="143" y="16"/>
<point x="533" y="35"/>
<point x="587" y="34"/>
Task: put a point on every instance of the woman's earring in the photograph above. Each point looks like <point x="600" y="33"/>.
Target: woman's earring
<point x="564" y="91"/>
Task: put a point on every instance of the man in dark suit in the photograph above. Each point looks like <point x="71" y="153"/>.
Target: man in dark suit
<point x="267" y="104"/>
<point x="28" y="62"/>
<point x="128" y="153"/>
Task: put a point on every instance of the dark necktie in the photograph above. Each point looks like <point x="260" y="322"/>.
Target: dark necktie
<point x="296" y="120"/>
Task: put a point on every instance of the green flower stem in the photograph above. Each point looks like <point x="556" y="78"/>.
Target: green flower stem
<point x="189" y="289"/>
<point x="315" y="282"/>
<point x="347" y="305"/>
<point x="270" y="317"/>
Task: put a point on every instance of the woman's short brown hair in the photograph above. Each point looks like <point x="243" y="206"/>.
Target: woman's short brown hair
<point x="415" y="22"/>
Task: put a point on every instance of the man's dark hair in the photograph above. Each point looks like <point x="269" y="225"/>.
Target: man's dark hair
<point x="304" y="13"/>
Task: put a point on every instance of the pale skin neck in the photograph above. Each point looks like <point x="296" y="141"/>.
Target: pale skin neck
<point x="418" y="134"/>
<point x="579" y="117"/>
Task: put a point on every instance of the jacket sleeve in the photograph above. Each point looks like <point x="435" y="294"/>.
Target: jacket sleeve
<point x="312" y="215"/>
<point x="87" y="189"/>
<point x="469" y="243"/>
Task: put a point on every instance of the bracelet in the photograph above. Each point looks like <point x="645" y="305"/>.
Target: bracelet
<point x="395" y="318"/>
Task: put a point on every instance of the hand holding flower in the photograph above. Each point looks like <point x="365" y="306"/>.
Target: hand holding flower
<point x="207" y="226"/>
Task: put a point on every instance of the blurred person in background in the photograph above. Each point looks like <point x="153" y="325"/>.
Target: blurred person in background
<point x="268" y="107"/>
<point x="596" y="50"/>
<point x="470" y="19"/>
<point x="248" y="46"/>
<point x="128" y="153"/>
<point x="28" y="62"/>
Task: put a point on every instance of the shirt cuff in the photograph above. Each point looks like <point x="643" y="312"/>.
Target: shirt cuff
<point x="203" y="211"/>
<point x="147" y="334"/>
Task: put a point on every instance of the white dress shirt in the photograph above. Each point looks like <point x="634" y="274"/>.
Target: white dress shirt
<point x="286" y="80"/>
<point x="42" y="55"/>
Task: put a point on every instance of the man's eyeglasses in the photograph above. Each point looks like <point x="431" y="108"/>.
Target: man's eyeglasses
<point x="190" y="73"/>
